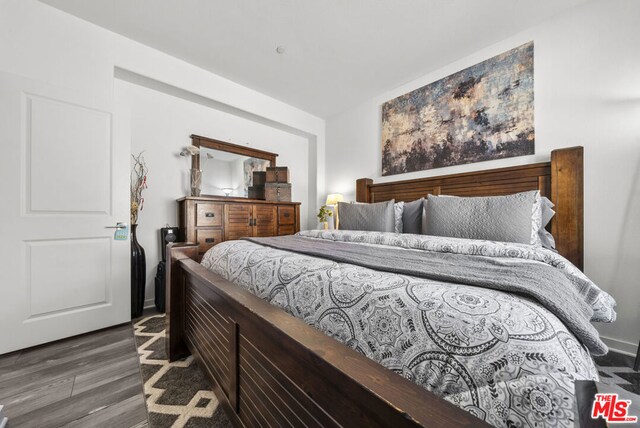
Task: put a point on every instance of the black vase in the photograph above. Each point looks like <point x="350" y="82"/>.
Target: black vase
<point x="138" y="274"/>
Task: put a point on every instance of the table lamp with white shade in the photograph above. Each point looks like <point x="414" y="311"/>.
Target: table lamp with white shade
<point x="332" y="201"/>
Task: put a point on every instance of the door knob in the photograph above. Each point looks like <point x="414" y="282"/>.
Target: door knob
<point x="118" y="225"/>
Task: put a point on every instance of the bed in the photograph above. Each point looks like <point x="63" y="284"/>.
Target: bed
<point x="348" y="328"/>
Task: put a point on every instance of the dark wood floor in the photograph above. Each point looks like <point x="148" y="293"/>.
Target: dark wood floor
<point x="86" y="381"/>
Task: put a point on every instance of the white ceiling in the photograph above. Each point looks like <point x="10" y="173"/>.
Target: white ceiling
<point x="338" y="52"/>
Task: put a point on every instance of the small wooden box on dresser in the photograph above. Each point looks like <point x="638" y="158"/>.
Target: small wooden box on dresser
<point x="209" y="220"/>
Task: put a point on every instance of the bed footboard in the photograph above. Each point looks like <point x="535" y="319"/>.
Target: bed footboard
<point x="268" y="368"/>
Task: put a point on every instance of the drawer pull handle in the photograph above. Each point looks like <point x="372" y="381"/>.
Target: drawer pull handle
<point x="286" y="215"/>
<point x="210" y="240"/>
<point x="209" y="215"/>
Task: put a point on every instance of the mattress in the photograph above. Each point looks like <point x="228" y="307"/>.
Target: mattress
<point x="503" y="356"/>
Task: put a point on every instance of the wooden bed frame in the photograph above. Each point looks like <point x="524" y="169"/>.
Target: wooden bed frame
<point x="268" y="368"/>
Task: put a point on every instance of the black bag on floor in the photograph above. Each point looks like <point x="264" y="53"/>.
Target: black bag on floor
<point x="160" y="287"/>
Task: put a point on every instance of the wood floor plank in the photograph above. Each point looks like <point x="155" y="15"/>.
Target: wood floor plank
<point x="76" y="407"/>
<point x="91" y="380"/>
<point x="31" y="400"/>
<point x="83" y="370"/>
<point x="8" y="360"/>
<point x="127" y="413"/>
<point x="53" y="353"/>
<point x="24" y="379"/>
<point x="117" y="369"/>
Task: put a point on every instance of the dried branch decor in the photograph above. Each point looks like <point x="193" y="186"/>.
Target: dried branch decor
<point x="139" y="172"/>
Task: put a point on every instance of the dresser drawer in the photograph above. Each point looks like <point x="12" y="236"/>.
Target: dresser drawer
<point x="209" y="215"/>
<point x="207" y="238"/>
<point x="286" y="215"/>
<point x="286" y="230"/>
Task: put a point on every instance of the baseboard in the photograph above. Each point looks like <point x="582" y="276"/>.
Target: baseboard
<point x="149" y="303"/>
<point x="620" y="346"/>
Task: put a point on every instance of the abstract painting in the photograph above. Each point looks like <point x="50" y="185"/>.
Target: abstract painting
<point x="482" y="113"/>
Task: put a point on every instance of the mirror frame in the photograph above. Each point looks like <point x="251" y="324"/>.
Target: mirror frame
<point x="210" y="143"/>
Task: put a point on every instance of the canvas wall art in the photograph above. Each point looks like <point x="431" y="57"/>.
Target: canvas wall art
<point x="482" y="113"/>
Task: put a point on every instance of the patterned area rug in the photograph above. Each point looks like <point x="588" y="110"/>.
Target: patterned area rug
<point x="616" y="369"/>
<point x="177" y="393"/>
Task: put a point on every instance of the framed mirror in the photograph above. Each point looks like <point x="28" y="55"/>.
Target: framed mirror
<point x="227" y="169"/>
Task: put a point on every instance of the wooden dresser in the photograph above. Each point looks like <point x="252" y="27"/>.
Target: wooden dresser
<point x="209" y="220"/>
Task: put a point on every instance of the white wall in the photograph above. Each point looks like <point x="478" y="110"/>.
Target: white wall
<point x="587" y="92"/>
<point x="42" y="43"/>
<point x="161" y="125"/>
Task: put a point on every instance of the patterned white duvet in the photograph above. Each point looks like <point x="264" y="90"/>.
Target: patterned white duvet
<point x="501" y="356"/>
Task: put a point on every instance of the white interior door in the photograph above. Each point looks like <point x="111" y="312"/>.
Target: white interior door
<point x="64" y="178"/>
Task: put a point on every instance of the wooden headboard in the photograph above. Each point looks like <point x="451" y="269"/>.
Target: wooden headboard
<point x="560" y="179"/>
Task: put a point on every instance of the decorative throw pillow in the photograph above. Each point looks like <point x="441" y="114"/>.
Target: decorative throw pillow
<point x="398" y="210"/>
<point x="412" y="216"/>
<point x="511" y="218"/>
<point x="378" y="217"/>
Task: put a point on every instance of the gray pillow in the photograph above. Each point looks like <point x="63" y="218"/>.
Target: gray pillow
<point x="398" y="209"/>
<point x="494" y="218"/>
<point x="547" y="211"/>
<point x="412" y="216"/>
<point x="378" y="217"/>
<point x="546" y="238"/>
